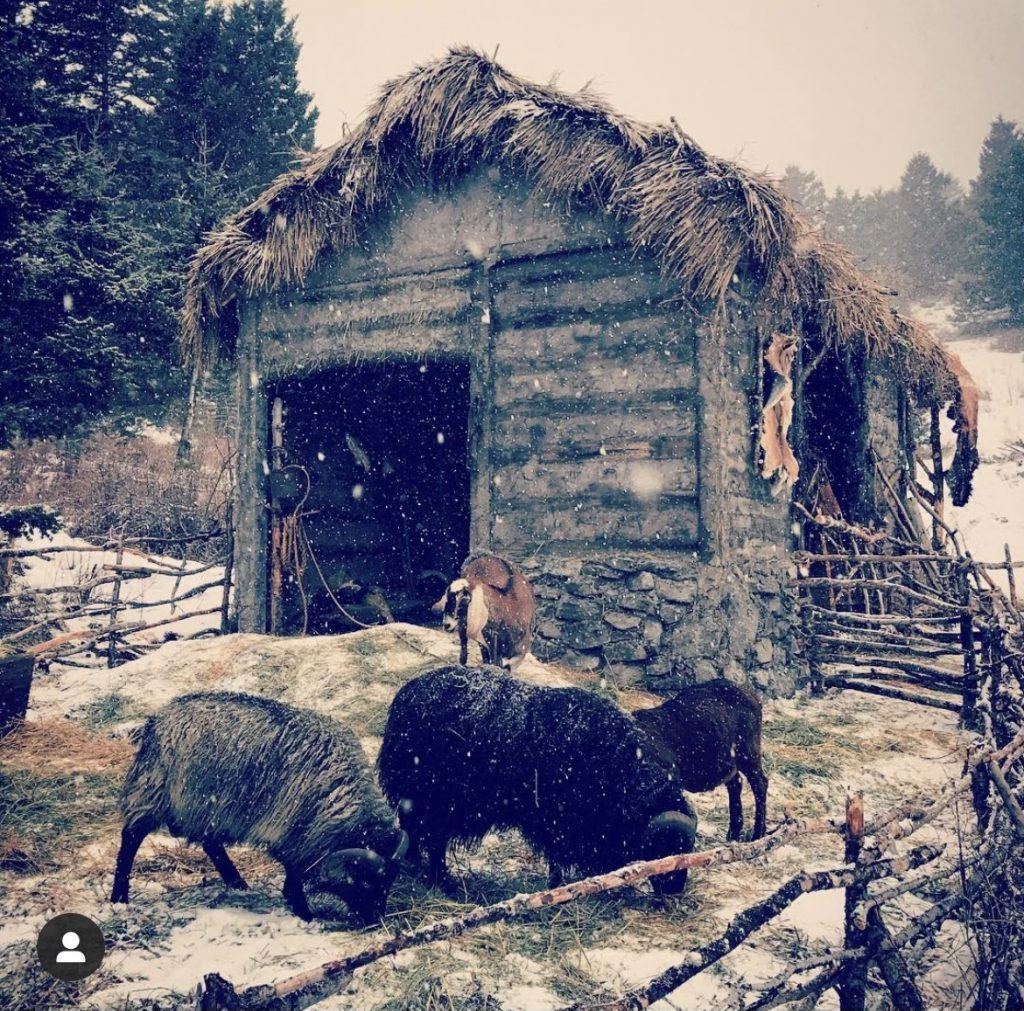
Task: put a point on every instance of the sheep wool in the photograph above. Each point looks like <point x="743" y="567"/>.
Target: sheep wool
<point x="469" y="750"/>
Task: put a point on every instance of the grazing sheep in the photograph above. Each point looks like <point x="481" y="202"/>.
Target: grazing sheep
<point x="491" y="603"/>
<point x="467" y="750"/>
<point x="219" y="768"/>
<point x="708" y="734"/>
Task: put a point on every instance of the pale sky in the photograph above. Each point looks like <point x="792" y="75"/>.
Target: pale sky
<point x="848" y="88"/>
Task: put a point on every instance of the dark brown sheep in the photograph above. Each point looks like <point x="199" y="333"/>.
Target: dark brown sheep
<point x="709" y="734"/>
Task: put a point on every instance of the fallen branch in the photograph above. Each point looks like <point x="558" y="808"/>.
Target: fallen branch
<point x="755" y="917"/>
<point x="878" y="584"/>
<point x="838" y="681"/>
<point x="872" y="674"/>
<point x="892" y="646"/>
<point x="194" y="592"/>
<point x="121" y="630"/>
<point x="773" y="994"/>
<point x="882" y="619"/>
<point x="1013" y="809"/>
<point x="291" y="993"/>
<point x="158" y="570"/>
<point x="892" y="965"/>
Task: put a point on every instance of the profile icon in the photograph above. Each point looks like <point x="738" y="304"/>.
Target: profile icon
<point x="70" y="946"/>
<point x="70" y="952"/>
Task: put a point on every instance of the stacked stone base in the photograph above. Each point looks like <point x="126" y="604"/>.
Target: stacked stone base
<point x="664" y="621"/>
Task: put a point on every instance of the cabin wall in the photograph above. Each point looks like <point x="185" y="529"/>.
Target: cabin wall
<point x="612" y="433"/>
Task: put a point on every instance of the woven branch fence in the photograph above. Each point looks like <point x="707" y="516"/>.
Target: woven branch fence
<point x="108" y="627"/>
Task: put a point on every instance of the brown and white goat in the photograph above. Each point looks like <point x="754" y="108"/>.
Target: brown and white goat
<point x="709" y="734"/>
<point x="491" y="603"/>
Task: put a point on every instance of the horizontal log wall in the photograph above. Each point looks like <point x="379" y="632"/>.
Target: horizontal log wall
<point x="423" y="314"/>
<point x="594" y="439"/>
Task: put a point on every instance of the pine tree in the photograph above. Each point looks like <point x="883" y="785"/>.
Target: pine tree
<point x="807" y="191"/>
<point x="267" y="117"/>
<point x="997" y="199"/>
<point x="929" y="212"/>
<point x="126" y="131"/>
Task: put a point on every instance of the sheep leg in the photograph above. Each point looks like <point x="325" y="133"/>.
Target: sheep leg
<point x="295" y="894"/>
<point x="227" y="870"/>
<point x="735" y="788"/>
<point x="437" y="866"/>
<point x="759" y="785"/>
<point x="131" y="839"/>
<point x="490" y="648"/>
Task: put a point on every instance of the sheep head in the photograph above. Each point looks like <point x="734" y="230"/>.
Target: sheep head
<point x="361" y="878"/>
<point x="463" y="602"/>
<point x="668" y="834"/>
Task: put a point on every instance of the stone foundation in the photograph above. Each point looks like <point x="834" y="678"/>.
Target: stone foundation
<point x="662" y="623"/>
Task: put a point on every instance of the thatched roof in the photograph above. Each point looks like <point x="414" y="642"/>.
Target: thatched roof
<point x="705" y="218"/>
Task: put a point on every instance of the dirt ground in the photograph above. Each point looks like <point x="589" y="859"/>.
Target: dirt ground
<point x="59" y="832"/>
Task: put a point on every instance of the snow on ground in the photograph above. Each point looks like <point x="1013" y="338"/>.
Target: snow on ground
<point x="182" y="924"/>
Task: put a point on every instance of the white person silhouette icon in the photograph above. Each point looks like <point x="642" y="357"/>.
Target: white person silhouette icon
<point x="69" y="952"/>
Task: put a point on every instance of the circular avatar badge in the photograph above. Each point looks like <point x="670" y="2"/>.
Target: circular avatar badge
<point x="70" y="946"/>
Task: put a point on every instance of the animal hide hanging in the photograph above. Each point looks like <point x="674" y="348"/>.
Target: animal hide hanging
<point x="964" y="413"/>
<point x="777" y="414"/>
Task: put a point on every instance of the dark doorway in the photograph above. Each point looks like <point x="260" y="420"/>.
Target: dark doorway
<point x="372" y="487"/>
<point x="835" y="432"/>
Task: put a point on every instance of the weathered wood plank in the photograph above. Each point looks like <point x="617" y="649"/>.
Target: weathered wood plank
<point x="644" y="479"/>
<point x="666" y="428"/>
<point x="599" y="406"/>
<point x="335" y="347"/>
<point x="668" y="335"/>
<point x="367" y="301"/>
<point x="530" y="526"/>
<point x="592" y="286"/>
<point x="581" y="265"/>
<point x="251" y="562"/>
<point x="589" y="374"/>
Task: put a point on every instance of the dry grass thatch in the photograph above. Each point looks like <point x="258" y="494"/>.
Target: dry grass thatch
<point x="704" y="218"/>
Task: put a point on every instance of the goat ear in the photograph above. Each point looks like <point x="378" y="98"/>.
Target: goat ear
<point x="438" y="606"/>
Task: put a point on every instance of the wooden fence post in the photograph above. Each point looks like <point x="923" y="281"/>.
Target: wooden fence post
<point x="968" y="713"/>
<point x="276" y="567"/>
<point x="853" y="989"/>
<point x="229" y="569"/>
<point x="115" y="599"/>
<point x="938" y="492"/>
<point x="1011" y="579"/>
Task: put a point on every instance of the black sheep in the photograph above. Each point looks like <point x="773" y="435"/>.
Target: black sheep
<point x="468" y="750"/>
